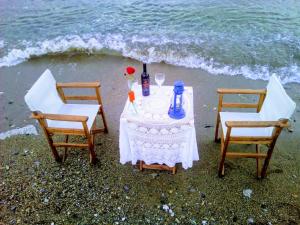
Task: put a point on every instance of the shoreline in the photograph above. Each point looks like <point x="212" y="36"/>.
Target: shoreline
<point x="36" y="189"/>
<point x="104" y="68"/>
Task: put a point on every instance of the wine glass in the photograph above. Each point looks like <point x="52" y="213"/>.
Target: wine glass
<point x="159" y="79"/>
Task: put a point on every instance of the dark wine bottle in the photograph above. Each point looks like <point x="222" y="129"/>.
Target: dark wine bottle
<point x="145" y="80"/>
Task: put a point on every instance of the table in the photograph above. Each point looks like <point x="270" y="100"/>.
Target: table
<point x="152" y="137"/>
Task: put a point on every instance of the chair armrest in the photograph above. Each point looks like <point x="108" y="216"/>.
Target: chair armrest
<point x="241" y="91"/>
<point x="257" y="124"/>
<point x="60" y="117"/>
<point x="79" y="85"/>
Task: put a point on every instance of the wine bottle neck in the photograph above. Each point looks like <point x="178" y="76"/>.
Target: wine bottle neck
<point x="144" y="67"/>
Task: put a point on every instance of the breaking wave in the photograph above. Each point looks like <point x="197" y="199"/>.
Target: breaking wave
<point x="150" y="50"/>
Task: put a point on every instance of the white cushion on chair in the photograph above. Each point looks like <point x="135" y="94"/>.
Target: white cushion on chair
<point x="78" y="110"/>
<point x="277" y="104"/>
<point x="249" y="132"/>
<point x="43" y="95"/>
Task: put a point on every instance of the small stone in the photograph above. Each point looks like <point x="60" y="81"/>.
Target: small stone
<point x="52" y="223"/>
<point x="46" y="200"/>
<point x="154" y="175"/>
<point x="37" y="163"/>
<point x="192" y="189"/>
<point x="170" y="191"/>
<point x="172" y="214"/>
<point x="96" y="215"/>
<point x="7" y="167"/>
<point x="165" y="207"/>
<point x="250" y="221"/>
<point x="123" y="218"/>
<point x="204" y="222"/>
<point x="15" y="152"/>
<point x="13" y="208"/>
<point x="106" y="188"/>
<point x="247" y="193"/>
<point x="2" y="202"/>
<point x="126" y="188"/>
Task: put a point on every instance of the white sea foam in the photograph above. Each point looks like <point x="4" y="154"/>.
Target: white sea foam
<point x="153" y="49"/>
<point x="1" y="43"/>
<point x="29" y="129"/>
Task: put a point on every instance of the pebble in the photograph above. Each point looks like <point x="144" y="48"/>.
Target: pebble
<point x="247" y="193"/>
<point x="37" y="163"/>
<point x="13" y="208"/>
<point x="46" y="200"/>
<point x="202" y="194"/>
<point x="126" y="188"/>
<point x="204" y="222"/>
<point x="250" y="221"/>
<point x="154" y="175"/>
<point x="192" y="190"/>
<point x="2" y="202"/>
<point x="16" y="152"/>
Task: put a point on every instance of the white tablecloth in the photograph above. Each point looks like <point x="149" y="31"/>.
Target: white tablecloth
<point x="152" y="136"/>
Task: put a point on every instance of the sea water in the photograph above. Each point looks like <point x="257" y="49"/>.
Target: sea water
<point x="253" y="38"/>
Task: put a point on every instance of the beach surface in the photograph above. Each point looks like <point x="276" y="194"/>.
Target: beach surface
<point x="34" y="189"/>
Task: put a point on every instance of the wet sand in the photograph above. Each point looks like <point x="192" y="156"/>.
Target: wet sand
<point x="194" y="195"/>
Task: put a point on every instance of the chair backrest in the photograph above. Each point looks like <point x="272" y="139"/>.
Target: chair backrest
<point x="43" y="95"/>
<point x="277" y="104"/>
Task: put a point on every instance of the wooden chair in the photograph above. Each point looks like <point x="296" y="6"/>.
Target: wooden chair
<point x="273" y="110"/>
<point x="48" y="104"/>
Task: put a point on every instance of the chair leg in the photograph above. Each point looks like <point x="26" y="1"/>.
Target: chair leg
<point x="258" y="172"/>
<point x="174" y="170"/>
<point x="66" y="149"/>
<point x="217" y="128"/>
<point x="267" y="161"/>
<point x="141" y="165"/>
<point x="104" y="120"/>
<point x="92" y="154"/>
<point x="53" y="148"/>
<point x="223" y="154"/>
